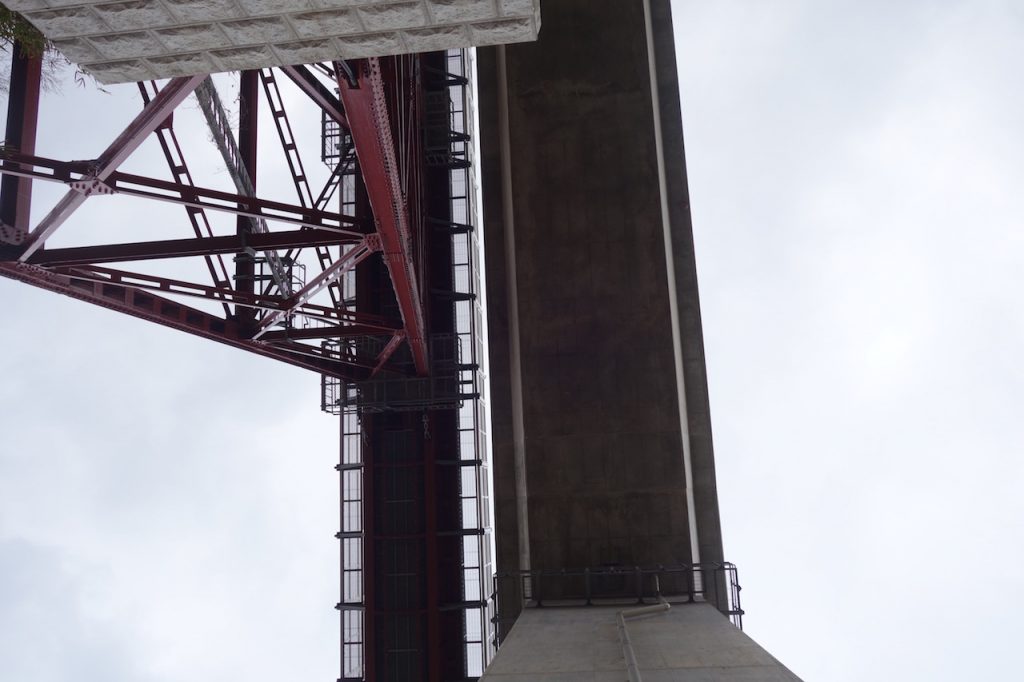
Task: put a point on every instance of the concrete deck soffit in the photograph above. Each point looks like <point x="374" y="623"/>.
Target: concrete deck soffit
<point x="146" y="39"/>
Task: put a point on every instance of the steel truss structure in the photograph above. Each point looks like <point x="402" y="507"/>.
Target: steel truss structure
<point x="393" y="287"/>
<point x="256" y="319"/>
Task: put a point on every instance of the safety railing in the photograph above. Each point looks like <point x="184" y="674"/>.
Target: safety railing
<point x="713" y="583"/>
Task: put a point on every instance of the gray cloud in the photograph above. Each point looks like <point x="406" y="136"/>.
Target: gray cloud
<point x="50" y="630"/>
<point x="854" y="171"/>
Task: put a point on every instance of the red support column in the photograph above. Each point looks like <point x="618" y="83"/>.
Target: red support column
<point x="248" y="111"/>
<point x="22" y="118"/>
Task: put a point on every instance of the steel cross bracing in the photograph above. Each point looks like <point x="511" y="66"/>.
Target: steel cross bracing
<point x="382" y="281"/>
<point x="217" y="120"/>
<point x="275" y="316"/>
<point x="179" y="171"/>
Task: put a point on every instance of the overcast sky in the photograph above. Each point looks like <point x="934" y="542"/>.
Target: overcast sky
<point x="167" y="505"/>
<point x="856" y="172"/>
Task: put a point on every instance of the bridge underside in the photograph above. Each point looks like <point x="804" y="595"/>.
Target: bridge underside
<point x="119" y="42"/>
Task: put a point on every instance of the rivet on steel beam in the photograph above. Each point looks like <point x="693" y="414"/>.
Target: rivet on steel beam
<point x="11" y="235"/>
<point x="91" y="186"/>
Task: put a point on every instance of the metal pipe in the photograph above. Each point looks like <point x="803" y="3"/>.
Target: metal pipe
<point x="632" y="667"/>
<point x="677" y="342"/>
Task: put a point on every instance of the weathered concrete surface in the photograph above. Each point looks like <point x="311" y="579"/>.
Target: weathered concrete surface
<point x="690" y="642"/>
<point x="603" y="437"/>
<point x="144" y="39"/>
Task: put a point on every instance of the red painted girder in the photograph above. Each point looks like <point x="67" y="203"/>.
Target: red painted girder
<point x="168" y="313"/>
<point x="330" y="275"/>
<point x="143" y="282"/>
<point x="287" y="137"/>
<point x="293" y="158"/>
<point x="325" y="195"/>
<point x="334" y="332"/>
<point x="175" y="159"/>
<point x="152" y="188"/>
<point x="152" y="115"/>
<point x="28" y="166"/>
<point x="326" y="313"/>
<point x="388" y="351"/>
<point x="332" y="184"/>
<point x="181" y="248"/>
<point x="366" y="110"/>
<point x="318" y="353"/>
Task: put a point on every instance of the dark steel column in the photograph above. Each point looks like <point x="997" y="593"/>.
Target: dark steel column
<point x="22" y="118"/>
<point x="248" y="117"/>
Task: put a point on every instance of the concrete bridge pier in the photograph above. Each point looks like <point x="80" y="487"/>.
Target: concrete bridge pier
<point x="602" y="434"/>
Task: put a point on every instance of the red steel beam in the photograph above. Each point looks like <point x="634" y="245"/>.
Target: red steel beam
<point x="175" y="158"/>
<point x="144" y="282"/>
<point x="318" y="353"/>
<point x="330" y="275"/>
<point x="333" y="332"/>
<point x="317" y="91"/>
<point x="344" y="315"/>
<point x="181" y="248"/>
<point x="77" y="172"/>
<point x="22" y="120"/>
<point x="248" y="129"/>
<point x="137" y="185"/>
<point x="366" y="109"/>
<point x="293" y="159"/>
<point x="388" y="351"/>
<point x="168" y="313"/>
<point x="151" y="116"/>
<point x="332" y="182"/>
